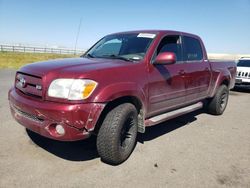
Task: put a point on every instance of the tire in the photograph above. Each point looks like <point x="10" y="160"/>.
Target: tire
<point x="218" y="103"/>
<point x="116" y="138"/>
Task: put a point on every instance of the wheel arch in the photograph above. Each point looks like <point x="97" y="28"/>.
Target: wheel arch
<point x="223" y="78"/>
<point x="117" y="101"/>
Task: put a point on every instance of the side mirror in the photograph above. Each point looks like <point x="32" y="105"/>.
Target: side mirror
<point x="165" y="58"/>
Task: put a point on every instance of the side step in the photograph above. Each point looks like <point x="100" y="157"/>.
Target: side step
<point x="172" y="114"/>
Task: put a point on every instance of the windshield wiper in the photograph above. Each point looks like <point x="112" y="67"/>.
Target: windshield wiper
<point x="89" y="55"/>
<point x="116" y="57"/>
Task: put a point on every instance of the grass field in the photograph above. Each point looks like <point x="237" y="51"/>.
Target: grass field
<point x="16" y="60"/>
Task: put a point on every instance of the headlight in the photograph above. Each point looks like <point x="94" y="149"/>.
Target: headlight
<point x="71" y="89"/>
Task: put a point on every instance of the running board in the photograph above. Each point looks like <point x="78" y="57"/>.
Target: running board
<point x="173" y="114"/>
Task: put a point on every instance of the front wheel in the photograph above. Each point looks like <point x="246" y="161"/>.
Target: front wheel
<point x="116" y="138"/>
<point x="218" y="103"/>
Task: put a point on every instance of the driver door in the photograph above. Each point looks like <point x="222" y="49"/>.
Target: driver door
<point x="166" y="82"/>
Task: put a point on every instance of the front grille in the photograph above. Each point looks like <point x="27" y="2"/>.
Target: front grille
<point x="243" y="74"/>
<point x="29" y="85"/>
<point x="27" y="115"/>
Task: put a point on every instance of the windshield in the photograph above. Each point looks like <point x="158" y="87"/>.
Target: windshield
<point x="131" y="47"/>
<point x="243" y="63"/>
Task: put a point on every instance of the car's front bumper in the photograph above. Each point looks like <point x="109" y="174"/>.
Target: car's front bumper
<point x="78" y="120"/>
<point x="244" y="82"/>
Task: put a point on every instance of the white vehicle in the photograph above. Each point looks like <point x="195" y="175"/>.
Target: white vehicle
<point x="243" y="72"/>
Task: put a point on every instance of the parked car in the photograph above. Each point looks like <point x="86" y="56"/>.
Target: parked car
<point x="124" y="83"/>
<point x="243" y="73"/>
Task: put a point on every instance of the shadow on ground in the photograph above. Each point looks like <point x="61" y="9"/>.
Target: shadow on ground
<point x="86" y="149"/>
<point x="241" y="89"/>
<point x="74" y="151"/>
<point x="168" y="126"/>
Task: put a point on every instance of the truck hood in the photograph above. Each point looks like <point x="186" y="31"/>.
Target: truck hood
<point x="75" y="65"/>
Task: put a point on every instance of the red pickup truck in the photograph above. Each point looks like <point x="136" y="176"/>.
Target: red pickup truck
<point x="124" y="83"/>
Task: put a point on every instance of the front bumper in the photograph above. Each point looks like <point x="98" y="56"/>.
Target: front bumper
<point x="78" y="120"/>
<point x="244" y="82"/>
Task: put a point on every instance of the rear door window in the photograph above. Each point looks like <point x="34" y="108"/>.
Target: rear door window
<point x="192" y="49"/>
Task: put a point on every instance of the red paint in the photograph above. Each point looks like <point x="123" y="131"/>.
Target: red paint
<point x="159" y="88"/>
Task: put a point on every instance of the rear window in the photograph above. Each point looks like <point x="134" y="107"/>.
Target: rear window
<point x="243" y="63"/>
<point x="192" y="49"/>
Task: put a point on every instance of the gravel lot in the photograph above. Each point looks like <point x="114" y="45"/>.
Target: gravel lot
<point x="195" y="150"/>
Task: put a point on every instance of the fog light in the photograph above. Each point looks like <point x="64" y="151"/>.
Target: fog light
<point x="60" y="130"/>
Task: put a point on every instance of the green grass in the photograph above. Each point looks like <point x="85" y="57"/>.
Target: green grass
<point x="16" y="59"/>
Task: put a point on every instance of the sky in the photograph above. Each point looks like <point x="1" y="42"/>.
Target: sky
<point x="224" y="25"/>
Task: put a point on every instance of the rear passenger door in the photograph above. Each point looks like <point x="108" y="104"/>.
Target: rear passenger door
<point x="197" y="69"/>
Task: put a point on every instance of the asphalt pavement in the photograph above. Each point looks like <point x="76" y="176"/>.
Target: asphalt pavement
<point x="194" y="150"/>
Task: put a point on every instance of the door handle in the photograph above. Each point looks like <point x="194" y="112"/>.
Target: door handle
<point x="181" y="72"/>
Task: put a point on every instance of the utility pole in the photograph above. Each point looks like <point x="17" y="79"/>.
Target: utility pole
<point x="77" y="34"/>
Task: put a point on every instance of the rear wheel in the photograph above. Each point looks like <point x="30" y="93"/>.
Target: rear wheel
<point x="218" y="103"/>
<point x="116" y="138"/>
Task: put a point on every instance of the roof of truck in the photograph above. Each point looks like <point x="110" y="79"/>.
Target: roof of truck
<point x="156" y="31"/>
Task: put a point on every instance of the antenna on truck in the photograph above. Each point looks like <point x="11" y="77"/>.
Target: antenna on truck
<point x="77" y="34"/>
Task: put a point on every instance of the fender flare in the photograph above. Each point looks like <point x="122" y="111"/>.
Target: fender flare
<point x="224" y="75"/>
<point x="123" y="89"/>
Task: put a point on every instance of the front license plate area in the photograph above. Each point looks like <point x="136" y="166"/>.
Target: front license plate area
<point x="238" y="81"/>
